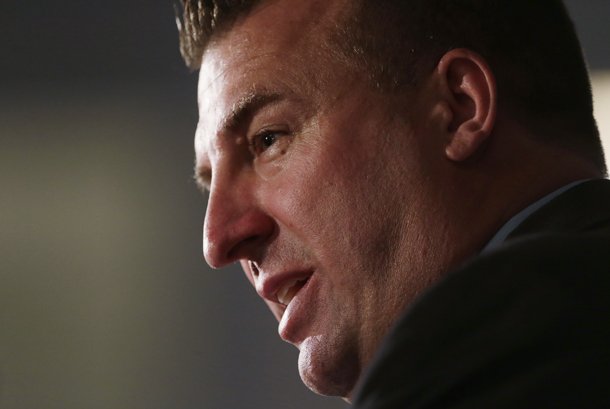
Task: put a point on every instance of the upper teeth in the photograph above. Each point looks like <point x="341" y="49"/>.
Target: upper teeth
<point x="288" y="291"/>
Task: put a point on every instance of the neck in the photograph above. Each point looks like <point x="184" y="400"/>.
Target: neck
<point x="508" y="179"/>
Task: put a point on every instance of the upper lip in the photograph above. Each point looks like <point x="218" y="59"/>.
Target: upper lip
<point x="277" y="287"/>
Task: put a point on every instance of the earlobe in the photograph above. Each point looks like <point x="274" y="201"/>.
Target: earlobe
<point x="470" y="91"/>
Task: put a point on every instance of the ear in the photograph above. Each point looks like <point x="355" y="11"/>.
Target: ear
<point x="469" y="89"/>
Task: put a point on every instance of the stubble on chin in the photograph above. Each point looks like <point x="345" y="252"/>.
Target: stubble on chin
<point x="327" y="368"/>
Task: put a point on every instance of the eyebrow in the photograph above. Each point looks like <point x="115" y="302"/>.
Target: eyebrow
<point x="245" y="107"/>
<point x="238" y="115"/>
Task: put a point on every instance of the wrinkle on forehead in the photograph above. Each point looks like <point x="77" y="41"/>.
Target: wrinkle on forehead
<point x="277" y="28"/>
<point x="296" y="21"/>
<point x="278" y="47"/>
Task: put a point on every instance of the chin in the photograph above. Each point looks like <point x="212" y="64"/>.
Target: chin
<point x="326" y="370"/>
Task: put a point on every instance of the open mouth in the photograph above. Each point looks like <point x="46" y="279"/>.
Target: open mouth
<point x="290" y="290"/>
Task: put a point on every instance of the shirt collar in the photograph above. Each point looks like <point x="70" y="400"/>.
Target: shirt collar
<point x="517" y="219"/>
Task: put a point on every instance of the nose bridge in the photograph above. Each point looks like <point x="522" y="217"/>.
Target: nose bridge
<point x="215" y="217"/>
<point x="235" y="224"/>
<point x="223" y="210"/>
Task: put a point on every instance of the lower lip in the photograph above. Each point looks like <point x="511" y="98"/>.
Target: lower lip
<point x="297" y="312"/>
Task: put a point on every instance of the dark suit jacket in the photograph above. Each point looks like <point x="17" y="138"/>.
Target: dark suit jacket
<point x="525" y="326"/>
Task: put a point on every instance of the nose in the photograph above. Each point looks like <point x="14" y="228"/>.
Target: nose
<point x="236" y="226"/>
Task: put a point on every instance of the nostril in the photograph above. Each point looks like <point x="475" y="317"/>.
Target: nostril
<point x="253" y="268"/>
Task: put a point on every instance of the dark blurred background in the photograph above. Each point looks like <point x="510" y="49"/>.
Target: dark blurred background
<point x="105" y="300"/>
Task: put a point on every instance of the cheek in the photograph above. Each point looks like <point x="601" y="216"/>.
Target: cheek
<point x="297" y="198"/>
<point x="327" y="207"/>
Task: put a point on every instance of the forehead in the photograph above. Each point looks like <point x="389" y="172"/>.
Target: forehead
<point x="280" y="28"/>
<point x="275" y="48"/>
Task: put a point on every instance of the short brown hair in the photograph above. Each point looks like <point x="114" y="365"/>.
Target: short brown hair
<point x="199" y="20"/>
<point x="531" y="46"/>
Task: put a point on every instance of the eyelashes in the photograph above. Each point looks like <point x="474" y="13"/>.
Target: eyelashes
<point x="269" y="144"/>
<point x="263" y="141"/>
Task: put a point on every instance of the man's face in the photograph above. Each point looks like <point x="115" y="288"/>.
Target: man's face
<point x="316" y="185"/>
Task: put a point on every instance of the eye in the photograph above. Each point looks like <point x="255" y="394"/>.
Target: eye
<point x="267" y="139"/>
<point x="268" y="142"/>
